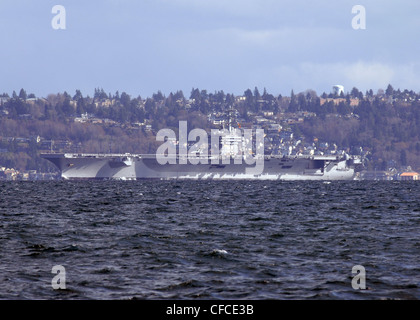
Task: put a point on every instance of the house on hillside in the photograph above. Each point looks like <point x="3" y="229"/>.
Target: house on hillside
<point x="409" y="176"/>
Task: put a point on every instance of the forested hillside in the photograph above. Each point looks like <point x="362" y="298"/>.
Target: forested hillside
<point x="385" y="126"/>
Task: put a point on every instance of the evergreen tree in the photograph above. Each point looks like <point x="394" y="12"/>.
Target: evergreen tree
<point x="78" y="95"/>
<point x="248" y="95"/>
<point x="354" y="92"/>
<point x="389" y="91"/>
<point x="257" y="94"/>
<point x="81" y="105"/>
<point x="125" y="99"/>
<point x="230" y="99"/>
<point x="249" y="100"/>
<point x="158" y="96"/>
<point x="293" y="105"/>
<point x="67" y="108"/>
<point x="195" y="94"/>
<point x="22" y="94"/>
<point x="179" y="95"/>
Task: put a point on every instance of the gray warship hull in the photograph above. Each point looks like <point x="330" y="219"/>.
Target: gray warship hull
<point x="138" y="166"/>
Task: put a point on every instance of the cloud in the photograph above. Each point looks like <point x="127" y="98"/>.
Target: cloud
<point x="231" y="45"/>
<point x="320" y="77"/>
<point x="368" y="74"/>
<point x="237" y="7"/>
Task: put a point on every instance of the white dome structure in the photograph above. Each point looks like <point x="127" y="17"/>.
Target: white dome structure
<point x="338" y="89"/>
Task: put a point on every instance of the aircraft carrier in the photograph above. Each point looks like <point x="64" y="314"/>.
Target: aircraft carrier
<point x="226" y="165"/>
<point x="140" y="166"/>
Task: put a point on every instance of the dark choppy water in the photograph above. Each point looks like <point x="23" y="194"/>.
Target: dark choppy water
<point x="209" y="240"/>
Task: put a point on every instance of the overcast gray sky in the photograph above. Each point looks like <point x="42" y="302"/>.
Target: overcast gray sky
<point x="142" y="46"/>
